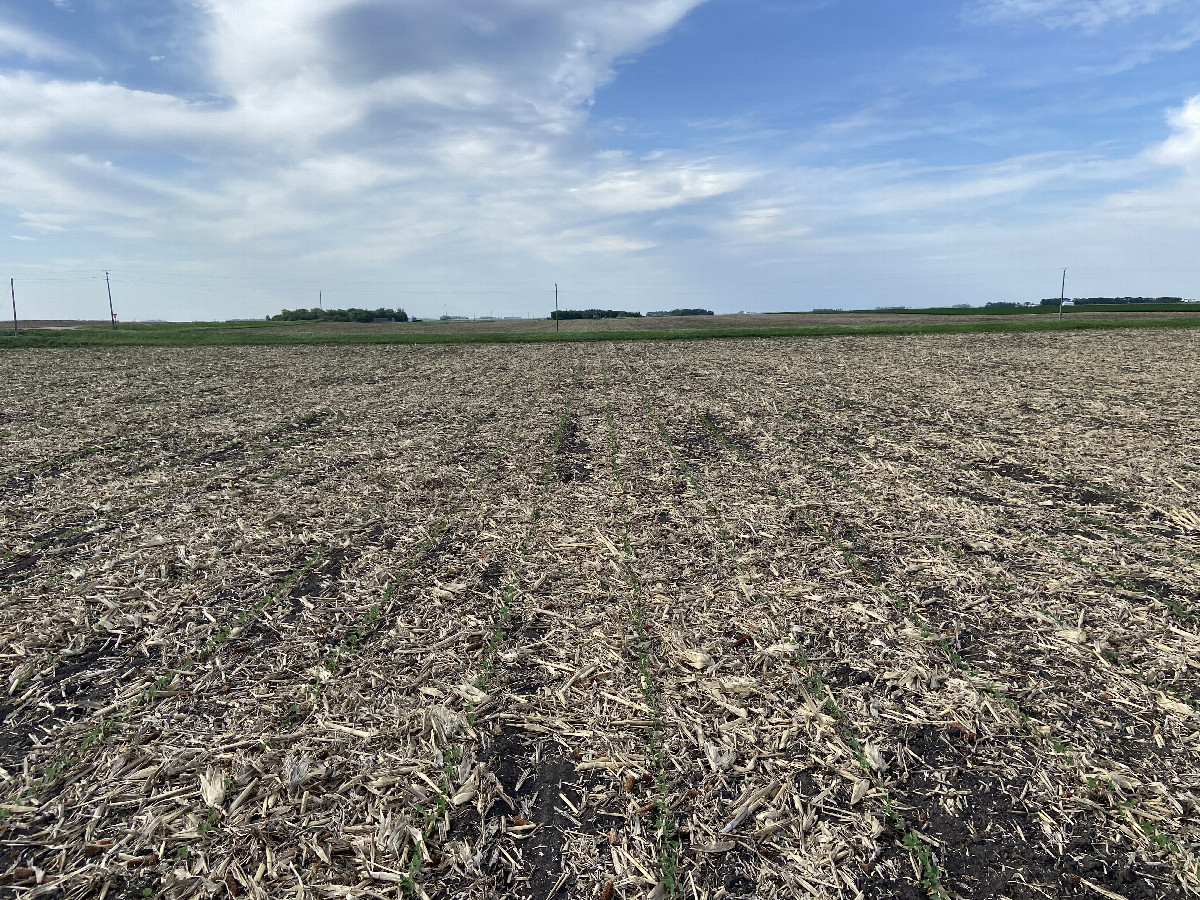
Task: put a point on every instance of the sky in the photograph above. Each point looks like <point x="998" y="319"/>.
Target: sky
<point x="229" y="158"/>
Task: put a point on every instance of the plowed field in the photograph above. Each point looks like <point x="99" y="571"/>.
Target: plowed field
<point x="882" y="617"/>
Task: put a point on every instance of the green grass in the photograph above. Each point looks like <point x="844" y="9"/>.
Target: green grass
<point x="219" y="334"/>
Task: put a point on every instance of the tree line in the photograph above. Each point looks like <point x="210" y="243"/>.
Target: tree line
<point x="1100" y="301"/>
<point x="622" y="314"/>
<point x="353" y="314"/>
<point x="593" y="314"/>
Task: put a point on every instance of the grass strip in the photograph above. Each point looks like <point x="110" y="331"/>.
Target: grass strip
<point x="222" y="335"/>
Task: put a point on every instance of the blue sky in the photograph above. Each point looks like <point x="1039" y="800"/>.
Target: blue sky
<point x="227" y="158"/>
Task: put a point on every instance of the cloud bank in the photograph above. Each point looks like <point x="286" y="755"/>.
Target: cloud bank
<point x="355" y="132"/>
<point x="448" y="150"/>
<point x="1087" y="14"/>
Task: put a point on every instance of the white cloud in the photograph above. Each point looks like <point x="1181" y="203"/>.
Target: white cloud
<point x="537" y="62"/>
<point x="579" y="240"/>
<point x="656" y="186"/>
<point x="1087" y="14"/>
<point x="47" y="222"/>
<point x="344" y="128"/>
<point x="1183" y="147"/>
<point x="770" y="221"/>
<point x="18" y="41"/>
<point x="446" y="140"/>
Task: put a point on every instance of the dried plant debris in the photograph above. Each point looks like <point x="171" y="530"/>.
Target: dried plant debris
<point x="850" y="617"/>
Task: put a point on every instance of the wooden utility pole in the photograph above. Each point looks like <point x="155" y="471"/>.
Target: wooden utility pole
<point x="1062" y="297"/>
<point x="108" y="285"/>
<point x="13" y="290"/>
<point x="557" y="320"/>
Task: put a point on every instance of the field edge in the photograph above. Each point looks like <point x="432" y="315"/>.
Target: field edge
<point x="227" y="334"/>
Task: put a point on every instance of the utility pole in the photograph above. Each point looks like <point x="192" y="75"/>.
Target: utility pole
<point x="108" y="285"/>
<point x="557" y="320"/>
<point x="1062" y="297"/>
<point x="13" y="289"/>
<point x="321" y="299"/>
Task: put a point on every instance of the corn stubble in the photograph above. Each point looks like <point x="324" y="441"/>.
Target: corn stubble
<point x="881" y="617"/>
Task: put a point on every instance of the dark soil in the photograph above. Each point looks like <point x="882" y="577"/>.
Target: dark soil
<point x="1071" y="490"/>
<point x="695" y="440"/>
<point x="18" y="565"/>
<point x="977" y="497"/>
<point x="843" y="674"/>
<point x="222" y="454"/>
<point x="733" y="871"/>
<point x="17" y="737"/>
<point x="509" y="756"/>
<point x="489" y="578"/>
<point x="881" y="887"/>
<point x="312" y="420"/>
<point x="571" y="461"/>
<point x="732" y="434"/>
<point x="996" y="844"/>
<point x="1014" y="471"/>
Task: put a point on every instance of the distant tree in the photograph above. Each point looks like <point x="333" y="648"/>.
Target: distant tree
<point x="1103" y="301"/>
<point x="565" y="314"/>
<point x="317" y="314"/>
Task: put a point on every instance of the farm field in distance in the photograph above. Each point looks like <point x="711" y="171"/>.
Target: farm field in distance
<point x="1132" y="315"/>
<point x="892" y="617"/>
<point x="46" y="334"/>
